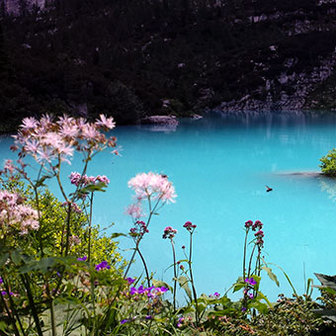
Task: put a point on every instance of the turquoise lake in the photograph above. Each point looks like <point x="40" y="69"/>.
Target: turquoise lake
<point x="219" y="167"/>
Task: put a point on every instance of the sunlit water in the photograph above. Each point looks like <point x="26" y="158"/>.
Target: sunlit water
<point x="220" y="167"/>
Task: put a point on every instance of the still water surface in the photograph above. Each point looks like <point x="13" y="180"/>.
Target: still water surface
<point x="219" y="167"/>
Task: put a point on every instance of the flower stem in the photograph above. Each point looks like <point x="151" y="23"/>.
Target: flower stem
<point x="192" y="280"/>
<point x="90" y="227"/>
<point x="145" y="266"/>
<point x="175" y="274"/>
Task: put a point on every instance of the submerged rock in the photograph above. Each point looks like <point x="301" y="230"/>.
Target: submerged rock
<point x="160" y="120"/>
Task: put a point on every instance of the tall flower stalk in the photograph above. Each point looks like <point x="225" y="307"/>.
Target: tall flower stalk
<point x="191" y="228"/>
<point x="156" y="190"/>
<point x="251" y="275"/>
<point x="169" y="233"/>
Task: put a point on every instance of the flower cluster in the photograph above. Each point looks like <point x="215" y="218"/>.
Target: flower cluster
<point x="78" y="180"/>
<point x="103" y="265"/>
<point x="189" y="226"/>
<point x="139" y="230"/>
<point x="135" y="211"/>
<point x="14" y="213"/>
<point x="257" y="225"/>
<point x="250" y="282"/>
<point x="47" y="140"/>
<point x="169" y="233"/>
<point x="151" y="292"/>
<point x="153" y="186"/>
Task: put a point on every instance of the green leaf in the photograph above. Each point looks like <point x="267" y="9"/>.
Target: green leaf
<point x="271" y="275"/>
<point x="117" y="234"/>
<point x="184" y="283"/>
<point x="159" y="283"/>
<point x="261" y="307"/>
<point x="261" y="296"/>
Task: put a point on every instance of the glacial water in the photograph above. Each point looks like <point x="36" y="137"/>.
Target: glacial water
<point x="219" y="167"/>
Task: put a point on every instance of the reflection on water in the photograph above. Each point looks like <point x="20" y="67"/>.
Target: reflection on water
<point x="328" y="184"/>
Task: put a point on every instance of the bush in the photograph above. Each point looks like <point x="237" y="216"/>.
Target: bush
<point x="328" y="165"/>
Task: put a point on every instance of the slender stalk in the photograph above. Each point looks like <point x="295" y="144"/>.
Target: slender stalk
<point x="90" y="227"/>
<point x="244" y="257"/>
<point x="130" y="263"/>
<point x="12" y="319"/>
<point x="250" y="262"/>
<point x="25" y="282"/>
<point x="145" y="266"/>
<point x="152" y="211"/>
<point x="13" y="306"/>
<point x="175" y="274"/>
<point x="52" y="318"/>
<point x="192" y="280"/>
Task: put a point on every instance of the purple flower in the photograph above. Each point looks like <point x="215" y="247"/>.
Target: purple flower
<point x="250" y="295"/>
<point x="103" y="265"/>
<point x="5" y="293"/>
<point x="250" y="281"/>
<point x="133" y="291"/>
<point x="1" y="281"/>
<point x="243" y="309"/>
<point x="124" y="321"/>
<point x="82" y="259"/>
<point x="148" y="317"/>
<point x="130" y="280"/>
<point x="216" y="295"/>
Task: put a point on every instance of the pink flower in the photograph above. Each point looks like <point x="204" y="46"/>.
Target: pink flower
<point x="135" y="211"/>
<point x="29" y="123"/>
<point x="152" y="185"/>
<point x="105" y="122"/>
<point x="16" y="215"/>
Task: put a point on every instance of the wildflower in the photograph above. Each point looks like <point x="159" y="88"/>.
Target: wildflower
<point x="248" y="224"/>
<point x="139" y="230"/>
<point x="103" y="265"/>
<point x="151" y="185"/>
<point x="243" y="309"/>
<point x="180" y="322"/>
<point x="4" y="293"/>
<point x="250" y="295"/>
<point x="148" y="317"/>
<point x="216" y="295"/>
<point x="15" y="214"/>
<point x="78" y="180"/>
<point x="47" y="141"/>
<point x="130" y="280"/>
<point x="82" y="258"/>
<point x="250" y="281"/>
<point x="169" y="232"/>
<point x="104" y="122"/>
<point x="257" y="225"/>
<point x="124" y="321"/>
<point x="135" y="211"/>
<point x="1" y="281"/>
<point x="189" y="226"/>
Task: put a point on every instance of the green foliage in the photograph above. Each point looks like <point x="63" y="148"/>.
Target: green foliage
<point x="328" y="163"/>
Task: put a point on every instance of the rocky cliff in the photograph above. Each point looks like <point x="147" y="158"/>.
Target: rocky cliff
<point x="141" y="57"/>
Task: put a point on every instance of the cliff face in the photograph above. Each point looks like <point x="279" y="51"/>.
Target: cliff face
<point x="131" y="58"/>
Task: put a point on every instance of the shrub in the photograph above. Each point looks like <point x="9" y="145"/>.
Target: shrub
<point x="328" y="165"/>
